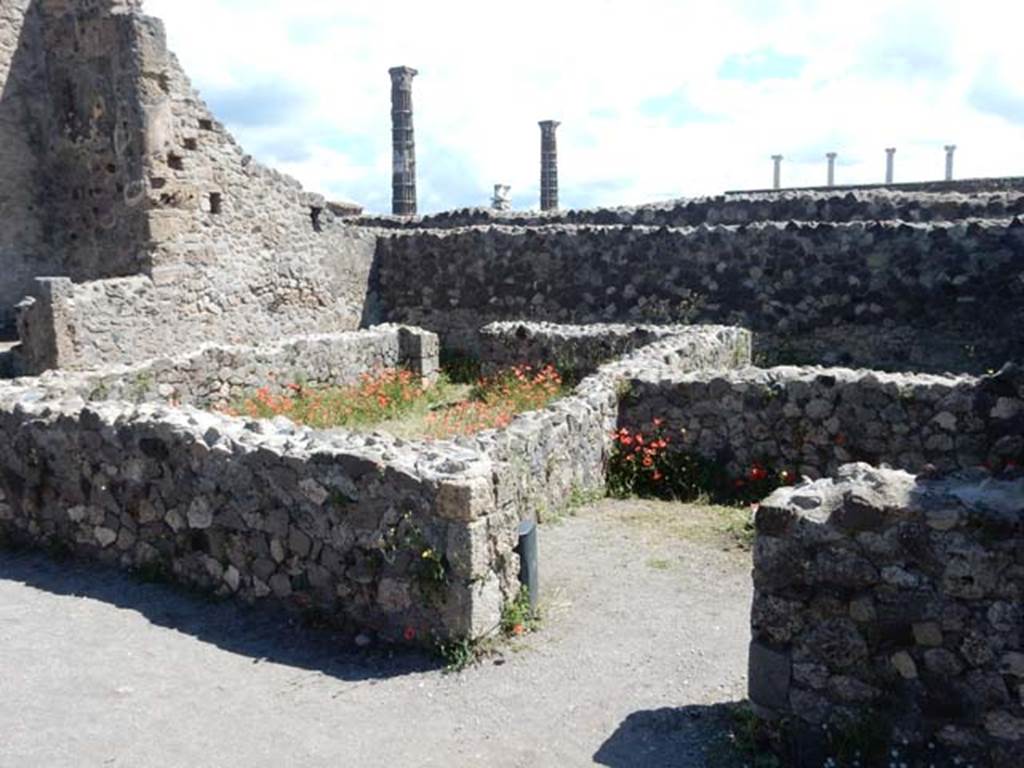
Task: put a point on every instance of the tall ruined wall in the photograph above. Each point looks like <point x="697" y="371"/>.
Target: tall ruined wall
<point x="140" y="182"/>
<point x="22" y="254"/>
<point x="891" y="295"/>
<point x="95" y="137"/>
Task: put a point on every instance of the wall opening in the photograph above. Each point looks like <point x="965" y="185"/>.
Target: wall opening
<point x="176" y="162"/>
<point x="191" y="144"/>
<point x="205" y="124"/>
<point x="216" y="203"/>
<point x="314" y="215"/>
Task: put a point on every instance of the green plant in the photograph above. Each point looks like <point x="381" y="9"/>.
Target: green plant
<point x="517" y="618"/>
<point x="378" y="396"/>
<point x="495" y="400"/>
<point x="644" y="463"/>
<point x="461" y="367"/>
<point x="428" y="564"/>
<point x="753" y="739"/>
<point x="459" y="655"/>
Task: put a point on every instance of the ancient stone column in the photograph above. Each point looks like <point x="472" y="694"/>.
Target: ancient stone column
<point x="403" y="177"/>
<point x="548" y="165"/>
<point x="950" y="149"/>
<point x="777" y="176"/>
<point x="889" y="163"/>
<point x="831" y="168"/>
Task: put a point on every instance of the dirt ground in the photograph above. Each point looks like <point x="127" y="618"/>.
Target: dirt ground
<point x="643" y="642"/>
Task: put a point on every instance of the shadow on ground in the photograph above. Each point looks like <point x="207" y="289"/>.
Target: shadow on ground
<point x="692" y="736"/>
<point x="260" y="633"/>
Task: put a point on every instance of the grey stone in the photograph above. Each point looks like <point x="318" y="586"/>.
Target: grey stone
<point x="769" y="675"/>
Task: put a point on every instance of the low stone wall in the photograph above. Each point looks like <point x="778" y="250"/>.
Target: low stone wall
<point x="933" y="297"/>
<point x="812" y="420"/>
<point x="573" y="349"/>
<point x="78" y="326"/>
<point x="546" y="456"/>
<point x="359" y="529"/>
<point x="888" y="602"/>
<point x="217" y="375"/>
<point x="407" y="538"/>
<point x="940" y="202"/>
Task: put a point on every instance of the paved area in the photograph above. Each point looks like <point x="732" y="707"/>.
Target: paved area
<point x="645" y="633"/>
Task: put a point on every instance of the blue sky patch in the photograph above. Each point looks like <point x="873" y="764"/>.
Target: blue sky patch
<point x="764" y="64"/>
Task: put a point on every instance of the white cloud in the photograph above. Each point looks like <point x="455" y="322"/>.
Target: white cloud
<point x="875" y="73"/>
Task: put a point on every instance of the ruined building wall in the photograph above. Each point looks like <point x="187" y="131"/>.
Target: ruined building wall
<point x="143" y="184"/>
<point x="944" y="296"/>
<point x="887" y="599"/>
<point x="22" y="255"/>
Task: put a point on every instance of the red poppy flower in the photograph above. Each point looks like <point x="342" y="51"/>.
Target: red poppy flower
<point x="409" y="634"/>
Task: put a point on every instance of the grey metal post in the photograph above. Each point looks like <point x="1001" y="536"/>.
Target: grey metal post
<point x="403" y="143"/>
<point x="890" y="153"/>
<point x="950" y="149"/>
<point x="777" y="176"/>
<point x="831" y="168"/>
<point x="548" y="165"/>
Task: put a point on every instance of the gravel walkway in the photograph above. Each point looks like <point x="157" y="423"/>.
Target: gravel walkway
<point x="644" y="635"/>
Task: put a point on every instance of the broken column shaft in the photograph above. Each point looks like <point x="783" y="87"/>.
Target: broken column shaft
<point x="548" y="165"/>
<point x="403" y="177"/>
<point x="831" y="168"/>
<point x="950" y="149"/>
<point x="889" y="162"/>
<point x="777" y="174"/>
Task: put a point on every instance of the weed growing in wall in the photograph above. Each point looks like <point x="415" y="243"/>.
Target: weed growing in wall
<point x="643" y="463"/>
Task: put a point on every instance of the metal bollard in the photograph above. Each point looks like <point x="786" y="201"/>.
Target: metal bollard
<point x="527" y="551"/>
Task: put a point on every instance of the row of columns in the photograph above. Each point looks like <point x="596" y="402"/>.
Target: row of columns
<point x="403" y="146"/>
<point x="890" y="155"/>
<point x="403" y="179"/>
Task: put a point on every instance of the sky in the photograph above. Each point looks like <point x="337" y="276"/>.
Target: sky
<point x="658" y="99"/>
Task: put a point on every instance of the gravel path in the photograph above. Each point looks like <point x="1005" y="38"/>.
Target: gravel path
<point x="644" y="634"/>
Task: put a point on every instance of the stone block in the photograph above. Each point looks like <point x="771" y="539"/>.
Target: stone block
<point x="769" y="673"/>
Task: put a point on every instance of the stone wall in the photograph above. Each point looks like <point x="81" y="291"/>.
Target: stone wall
<point x="930" y="297"/>
<point x="214" y="375"/>
<point x="810" y="421"/>
<point x="546" y="457"/>
<point x="885" y="602"/>
<point x="22" y="252"/>
<point x="359" y="529"/>
<point x="949" y="203"/>
<point x="367" y="530"/>
<point x="135" y="180"/>
<point x="573" y="349"/>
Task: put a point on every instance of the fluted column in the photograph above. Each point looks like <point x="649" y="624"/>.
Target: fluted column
<point x="548" y="165"/>
<point x="403" y="143"/>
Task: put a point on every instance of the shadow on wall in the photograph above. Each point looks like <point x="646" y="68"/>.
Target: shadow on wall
<point x="22" y="252"/>
<point x="262" y="634"/>
<point x="692" y="736"/>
